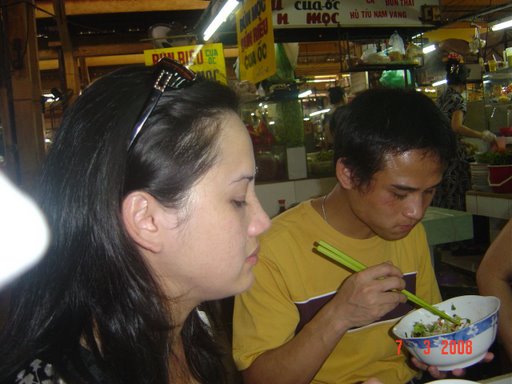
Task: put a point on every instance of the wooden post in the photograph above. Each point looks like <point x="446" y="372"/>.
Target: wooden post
<point x="70" y="67"/>
<point x="20" y="92"/>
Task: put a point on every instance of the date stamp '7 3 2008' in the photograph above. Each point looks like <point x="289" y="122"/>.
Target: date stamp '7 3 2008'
<point x="448" y="347"/>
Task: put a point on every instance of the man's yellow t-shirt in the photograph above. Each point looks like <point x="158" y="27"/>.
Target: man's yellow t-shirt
<point x="293" y="282"/>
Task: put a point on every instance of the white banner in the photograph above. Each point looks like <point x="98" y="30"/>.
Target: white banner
<point x="348" y="13"/>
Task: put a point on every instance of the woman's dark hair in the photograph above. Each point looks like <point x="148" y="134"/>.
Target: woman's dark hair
<point x="456" y="72"/>
<point x="93" y="286"/>
<point x="386" y="121"/>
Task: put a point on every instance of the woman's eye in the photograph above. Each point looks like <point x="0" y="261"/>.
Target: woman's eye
<point x="239" y="203"/>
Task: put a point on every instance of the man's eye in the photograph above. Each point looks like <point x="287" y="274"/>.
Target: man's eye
<point x="399" y="196"/>
<point x="239" y="203"/>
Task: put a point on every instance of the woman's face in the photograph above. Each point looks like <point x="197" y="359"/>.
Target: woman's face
<point x="211" y="253"/>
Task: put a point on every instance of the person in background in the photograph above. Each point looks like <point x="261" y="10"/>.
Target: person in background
<point x="337" y="99"/>
<point x="494" y="278"/>
<point x="149" y="193"/>
<point x="457" y="179"/>
<point x="309" y="320"/>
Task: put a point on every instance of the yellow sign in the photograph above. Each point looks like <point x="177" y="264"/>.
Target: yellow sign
<point x="255" y="40"/>
<point x="206" y="61"/>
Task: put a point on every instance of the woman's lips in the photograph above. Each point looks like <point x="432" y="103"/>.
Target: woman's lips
<point x="253" y="257"/>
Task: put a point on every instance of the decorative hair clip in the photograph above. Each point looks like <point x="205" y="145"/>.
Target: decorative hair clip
<point x="456" y="57"/>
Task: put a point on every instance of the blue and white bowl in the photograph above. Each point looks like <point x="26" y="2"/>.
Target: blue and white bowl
<point x="459" y="349"/>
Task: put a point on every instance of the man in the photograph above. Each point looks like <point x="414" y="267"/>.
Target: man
<point x="307" y="319"/>
<point x="337" y="99"/>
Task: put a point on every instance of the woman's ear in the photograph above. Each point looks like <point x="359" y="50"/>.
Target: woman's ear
<point x="140" y="217"/>
<point x="344" y="174"/>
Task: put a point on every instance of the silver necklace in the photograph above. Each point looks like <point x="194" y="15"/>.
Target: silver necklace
<point x="323" y="207"/>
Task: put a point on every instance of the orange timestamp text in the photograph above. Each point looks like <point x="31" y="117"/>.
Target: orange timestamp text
<point x="448" y="347"/>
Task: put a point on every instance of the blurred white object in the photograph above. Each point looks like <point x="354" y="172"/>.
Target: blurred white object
<point x="24" y="234"/>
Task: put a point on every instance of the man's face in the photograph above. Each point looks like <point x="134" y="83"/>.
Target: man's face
<point x="397" y="196"/>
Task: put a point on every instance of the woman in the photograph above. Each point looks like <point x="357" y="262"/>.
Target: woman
<point x="452" y="193"/>
<point x="151" y="214"/>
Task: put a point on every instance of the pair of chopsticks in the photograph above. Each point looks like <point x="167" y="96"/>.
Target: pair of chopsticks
<point x="340" y="257"/>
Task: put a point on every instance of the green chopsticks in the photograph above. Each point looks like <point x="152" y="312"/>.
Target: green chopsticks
<point x="338" y="256"/>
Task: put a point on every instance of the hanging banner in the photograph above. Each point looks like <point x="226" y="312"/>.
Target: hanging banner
<point x="255" y="40"/>
<point x="348" y="13"/>
<point x="205" y="60"/>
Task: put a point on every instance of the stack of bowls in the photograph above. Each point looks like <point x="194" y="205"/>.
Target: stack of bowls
<point x="479" y="177"/>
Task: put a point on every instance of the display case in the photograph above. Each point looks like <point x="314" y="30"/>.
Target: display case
<point x="498" y="100"/>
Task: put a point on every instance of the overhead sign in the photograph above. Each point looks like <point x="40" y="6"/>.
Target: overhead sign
<point x="205" y="60"/>
<point x="255" y="40"/>
<point x="348" y="13"/>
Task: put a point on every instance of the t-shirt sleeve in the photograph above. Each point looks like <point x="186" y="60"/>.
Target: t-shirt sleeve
<point x="264" y="316"/>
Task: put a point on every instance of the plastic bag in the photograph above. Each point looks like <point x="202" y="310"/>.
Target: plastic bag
<point x="396" y="43"/>
<point x="394" y="78"/>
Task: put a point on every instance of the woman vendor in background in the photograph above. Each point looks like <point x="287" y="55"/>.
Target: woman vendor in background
<point x="451" y="193"/>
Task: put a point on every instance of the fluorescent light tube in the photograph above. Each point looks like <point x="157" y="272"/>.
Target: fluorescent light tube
<point x="429" y="48"/>
<point x="438" y="83"/>
<point x="305" y="93"/>
<point x="502" y="25"/>
<point x="221" y="17"/>
<point x="319" y="112"/>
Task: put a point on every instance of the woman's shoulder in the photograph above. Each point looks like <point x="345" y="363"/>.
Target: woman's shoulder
<point x="37" y="371"/>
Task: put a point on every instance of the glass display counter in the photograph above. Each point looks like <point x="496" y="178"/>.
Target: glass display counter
<point x="498" y="99"/>
<point x="275" y="124"/>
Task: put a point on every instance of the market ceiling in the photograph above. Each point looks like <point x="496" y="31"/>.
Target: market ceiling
<point x="130" y="19"/>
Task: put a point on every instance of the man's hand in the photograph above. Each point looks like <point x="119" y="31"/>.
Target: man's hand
<point x="437" y="374"/>
<point x="368" y="295"/>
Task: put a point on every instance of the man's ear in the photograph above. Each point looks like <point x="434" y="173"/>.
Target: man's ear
<point x="139" y="213"/>
<point x="344" y="174"/>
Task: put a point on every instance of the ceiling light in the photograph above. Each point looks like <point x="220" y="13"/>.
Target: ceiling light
<point x="221" y="17"/>
<point x="429" y="48"/>
<point x="319" y="112"/>
<point x="438" y="83"/>
<point x="305" y="93"/>
<point x="501" y="25"/>
<point x="326" y="80"/>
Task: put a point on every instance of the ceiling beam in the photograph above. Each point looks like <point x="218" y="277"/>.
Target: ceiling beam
<point x="83" y="7"/>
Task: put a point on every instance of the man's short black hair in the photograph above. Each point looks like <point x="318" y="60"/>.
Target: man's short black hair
<point x="384" y="121"/>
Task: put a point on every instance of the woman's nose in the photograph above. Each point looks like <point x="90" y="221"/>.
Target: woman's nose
<point x="260" y="221"/>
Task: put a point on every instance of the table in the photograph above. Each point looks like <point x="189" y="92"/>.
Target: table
<point x="490" y="204"/>
<point x="446" y="226"/>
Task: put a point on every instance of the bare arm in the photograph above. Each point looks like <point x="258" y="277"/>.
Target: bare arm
<point x="458" y="127"/>
<point x="363" y="298"/>
<point x="494" y="277"/>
